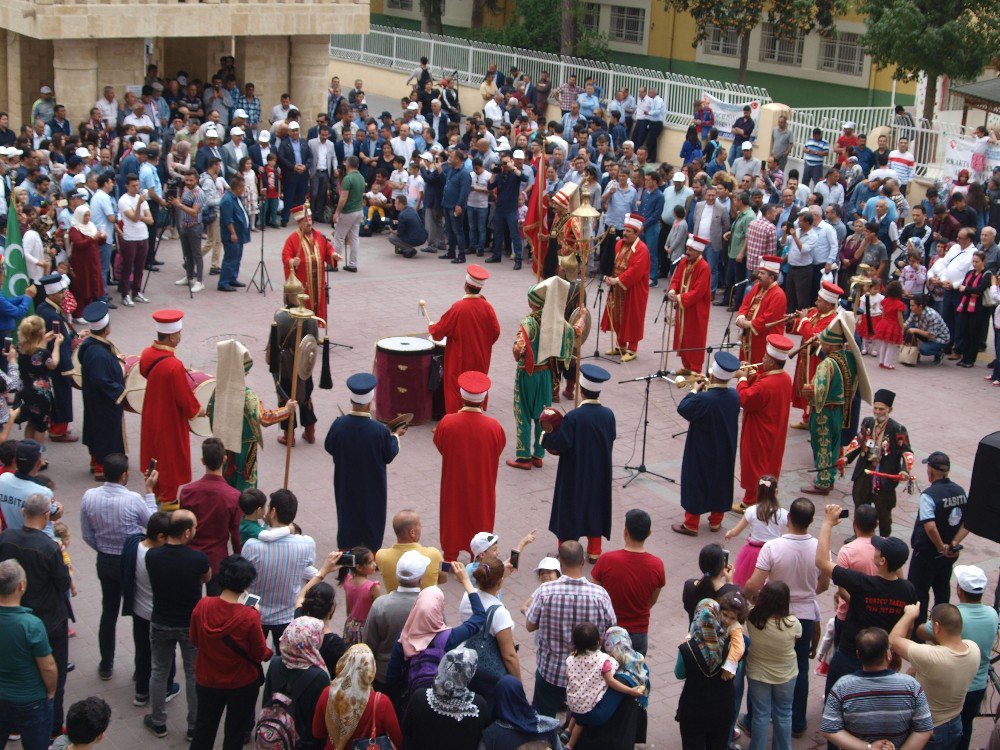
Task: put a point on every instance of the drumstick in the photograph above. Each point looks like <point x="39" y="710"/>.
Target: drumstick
<point x="423" y="308"/>
<point x="130" y="390"/>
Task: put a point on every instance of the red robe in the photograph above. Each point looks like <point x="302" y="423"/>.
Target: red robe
<point x="470" y="444"/>
<point x="807" y="359"/>
<point x="168" y="406"/>
<point x="86" y="264"/>
<point x="626" y="309"/>
<point x="311" y="272"/>
<point x="766" y="400"/>
<point x="472" y="329"/>
<point x="761" y="307"/>
<point x="694" y="291"/>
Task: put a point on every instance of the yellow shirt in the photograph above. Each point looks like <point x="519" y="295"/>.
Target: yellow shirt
<point x="387" y="557"/>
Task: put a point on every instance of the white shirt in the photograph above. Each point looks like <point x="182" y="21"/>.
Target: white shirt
<point x="279" y="113"/>
<point x="403" y="147"/>
<point x="326" y="157"/>
<point x="765" y="532"/>
<point x="109" y="110"/>
<point x="957" y="264"/>
<point x="705" y="226"/>
<point x="140" y="121"/>
<point x="142" y="602"/>
<point x="34" y="253"/>
<point x="133" y="231"/>
<point x="501" y="618"/>
<point x="479" y="194"/>
<point x="492" y="110"/>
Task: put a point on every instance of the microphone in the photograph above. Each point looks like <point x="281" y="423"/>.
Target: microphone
<point x="674" y="263"/>
<point x="741" y="283"/>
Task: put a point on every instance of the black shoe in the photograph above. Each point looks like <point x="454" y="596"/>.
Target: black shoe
<point x="720" y="303"/>
<point x="237" y="284"/>
<point x="458" y="260"/>
<point x="273" y="226"/>
<point x="352" y="269"/>
<point x="214" y="271"/>
<point x="105" y="673"/>
<point x="410" y="254"/>
<point x="480" y="253"/>
<point x="517" y="264"/>
<point x="446" y="257"/>
<point x="222" y="288"/>
<point x="160" y="730"/>
<point x="70" y="666"/>
<point x="284" y="224"/>
<point x="156" y="262"/>
<point x="493" y="259"/>
<point x="429" y="250"/>
<point x="152" y="269"/>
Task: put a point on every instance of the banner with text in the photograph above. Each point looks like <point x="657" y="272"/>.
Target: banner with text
<point x="726" y="114"/>
<point x="960" y="153"/>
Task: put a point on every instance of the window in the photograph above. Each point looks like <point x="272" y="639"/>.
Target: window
<point x="842" y="53"/>
<point x="590" y="18"/>
<point x="776" y="50"/>
<point x="628" y="25"/>
<point x="399" y="4"/>
<point x="725" y="42"/>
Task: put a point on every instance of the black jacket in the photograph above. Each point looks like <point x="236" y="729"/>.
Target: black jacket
<point x="895" y="443"/>
<point x="47" y="574"/>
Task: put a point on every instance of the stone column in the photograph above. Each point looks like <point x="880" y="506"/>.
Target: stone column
<point x="263" y="61"/>
<point x="766" y="123"/>
<point x="120" y="63"/>
<point x="74" y="63"/>
<point x="307" y="71"/>
<point x="4" y="73"/>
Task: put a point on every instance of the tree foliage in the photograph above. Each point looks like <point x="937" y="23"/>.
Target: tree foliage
<point x="538" y="26"/>
<point x="789" y="17"/>
<point x="954" y="38"/>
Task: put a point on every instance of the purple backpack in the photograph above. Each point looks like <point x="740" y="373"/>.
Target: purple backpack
<point x="424" y="666"/>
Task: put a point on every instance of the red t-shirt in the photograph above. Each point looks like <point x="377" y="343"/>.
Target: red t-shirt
<point x="630" y="578"/>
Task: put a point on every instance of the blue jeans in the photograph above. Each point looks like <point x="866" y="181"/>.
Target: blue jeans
<point x="946" y="736"/>
<point x="232" y="254"/>
<point x="477" y="227"/>
<point x="640" y="642"/>
<point x="506" y="219"/>
<point x="106" y="250"/>
<point x="33" y="721"/>
<point x="771" y="704"/>
<point x="454" y="227"/>
<point x="996" y="353"/>
<point x="651" y="236"/>
<point x="812" y="172"/>
<point x="711" y="256"/>
<point x="931" y="348"/>
<point x="802" y="645"/>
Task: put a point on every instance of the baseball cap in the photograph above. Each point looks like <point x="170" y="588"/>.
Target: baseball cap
<point x="848" y="125"/>
<point x="28" y="450"/>
<point x="971" y="579"/>
<point x="747" y="146"/>
<point x="548" y="563"/>
<point x="518" y="154"/>
<point x="293" y="125"/>
<point x="264" y="136"/>
<point x="678" y="177"/>
<point x="482" y="542"/>
<point x="938" y="460"/>
<point x="893" y="549"/>
<point x="411" y="566"/>
<point x="46" y="90"/>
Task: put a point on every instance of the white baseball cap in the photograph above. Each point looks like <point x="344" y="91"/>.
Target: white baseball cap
<point x="411" y="566"/>
<point x="519" y="154"/>
<point x="747" y="146"/>
<point x="848" y="125"/>
<point x="482" y="542"/>
<point x="678" y="177"/>
<point x="83" y="152"/>
<point x="236" y="131"/>
<point x="240" y="113"/>
<point x="548" y="563"/>
<point x="264" y="136"/>
<point x="412" y="106"/>
<point x="971" y="579"/>
<point x="293" y="125"/>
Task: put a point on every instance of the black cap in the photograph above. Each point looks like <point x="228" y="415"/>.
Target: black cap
<point x="28" y="450"/>
<point x="884" y="396"/>
<point x="893" y="549"/>
<point x="938" y="460"/>
<point x="385" y="114"/>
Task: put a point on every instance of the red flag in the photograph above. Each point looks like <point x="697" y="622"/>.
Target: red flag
<point x="536" y="223"/>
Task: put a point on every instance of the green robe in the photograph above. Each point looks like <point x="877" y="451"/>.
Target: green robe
<point x="533" y="390"/>
<point x="240" y="470"/>
<point x="834" y="385"/>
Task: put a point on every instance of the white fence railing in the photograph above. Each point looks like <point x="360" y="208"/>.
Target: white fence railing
<point x="467" y="62"/>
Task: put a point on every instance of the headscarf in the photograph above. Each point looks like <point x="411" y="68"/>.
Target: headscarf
<point x="450" y="695"/>
<point x="511" y="708"/>
<point x="706" y="633"/>
<point x="88" y="227"/>
<point x="229" y="406"/>
<point x="349" y="694"/>
<point x="425" y="621"/>
<point x="618" y="645"/>
<point x="182" y="149"/>
<point x="299" y="644"/>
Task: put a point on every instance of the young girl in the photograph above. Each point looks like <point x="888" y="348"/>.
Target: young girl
<point x="874" y="298"/>
<point x="36" y="363"/>
<point x="270" y="188"/>
<point x="889" y="328"/>
<point x="360" y="592"/>
<point x="913" y="275"/>
<point x="589" y="673"/>
<point x="733" y="610"/>
<point x="251" y="194"/>
<point x="767" y="521"/>
<point x="63" y="537"/>
<point x="547" y="570"/>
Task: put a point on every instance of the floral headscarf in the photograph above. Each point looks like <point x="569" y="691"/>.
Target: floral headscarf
<point x="425" y="621"/>
<point x="450" y="695"/>
<point x="618" y="645"/>
<point x="706" y="633"/>
<point x="349" y="694"/>
<point x="299" y="644"/>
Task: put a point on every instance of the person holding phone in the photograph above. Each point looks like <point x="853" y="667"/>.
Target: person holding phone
<point x="51" y="312"/>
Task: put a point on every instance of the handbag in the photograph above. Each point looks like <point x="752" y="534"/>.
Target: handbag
<point x="234" y="646"/>
<point x="375" y="742"/>
<point x="490" y="666"/>
<point x="909" y="353"/>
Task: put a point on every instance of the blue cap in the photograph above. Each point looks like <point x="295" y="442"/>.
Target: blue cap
<point x="50" y="278"/>
<point x="724" y="365"/>
<point x="593" y="377"/>
<point x="361" y="385"/>
<point x="95" y="311"/>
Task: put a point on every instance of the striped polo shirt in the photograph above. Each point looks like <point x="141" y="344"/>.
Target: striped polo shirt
<point x="883" y="705"/>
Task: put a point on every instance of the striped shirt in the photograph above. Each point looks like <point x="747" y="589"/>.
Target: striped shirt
<point x="557" y="607"/>
<point x="884" y="705"/>
<point x="903" y="164"/>
<point x="112" y="512"/>
<point x="281" y="566"/>
<point x="815" y="151"/>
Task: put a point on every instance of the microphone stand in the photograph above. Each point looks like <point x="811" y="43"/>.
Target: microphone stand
<point x="641" y="468"/>
<point x="261" y="279"/>
<point x="599" y="304"/>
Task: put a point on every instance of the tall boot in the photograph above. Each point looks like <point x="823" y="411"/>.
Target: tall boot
<point x="309" y="434"/>
<point x="570" y="392"/>
<point x="555" y="390"/>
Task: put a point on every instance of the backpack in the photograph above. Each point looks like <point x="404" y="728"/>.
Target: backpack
<point x="424" y="666"/>
<point x="275" y="728"/>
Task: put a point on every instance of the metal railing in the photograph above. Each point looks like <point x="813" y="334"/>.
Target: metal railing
<point x="467" y="61"/>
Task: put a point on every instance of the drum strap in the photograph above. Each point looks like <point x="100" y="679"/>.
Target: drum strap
<point x="155" y="363"/>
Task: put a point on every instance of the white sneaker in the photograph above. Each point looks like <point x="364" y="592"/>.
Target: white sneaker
<point x="183" y="282"/>
<point x="127" y="301"/>
<point x="140" y="298"/>
<point x="197" y="286"/>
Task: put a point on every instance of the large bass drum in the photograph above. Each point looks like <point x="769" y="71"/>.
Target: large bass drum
<point x="203" y="387"/>
<point x="403" y="368"/>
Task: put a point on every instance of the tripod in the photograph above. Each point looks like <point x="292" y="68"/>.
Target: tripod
<point x="261" y="279"/>
<point x="151" y="255"/>
<point x="641" y="468"/>
<point x="599" y="304"/>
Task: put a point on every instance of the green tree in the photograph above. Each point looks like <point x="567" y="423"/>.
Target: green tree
<point x="538" y="25"/>
<point x="430" y="17"/>
<point x="790" y="18"/>
<point x="954" y="38"/>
